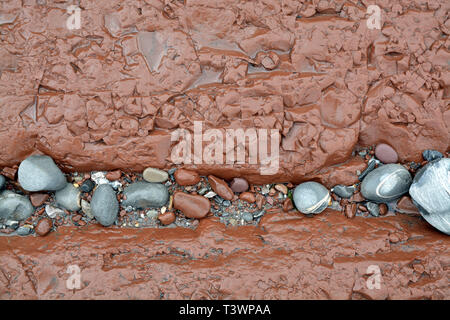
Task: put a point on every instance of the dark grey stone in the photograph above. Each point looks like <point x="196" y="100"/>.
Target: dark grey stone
<point x="386" y="183"/>
<point x="430" y="192"/>
<point x="40" y="173"/>
<point x="371" y="166"/>
<point x="373" y="208"/>
<point x="2" y="182"/>
<point x="15" y="207"/>
<point x="431" y="155"/>
<point x="344" y="191"/>
<point x="311" y="197"/>
<point x="69" y="198"/>
<point x="145" y="195"/>
<point x="104" y="205"/>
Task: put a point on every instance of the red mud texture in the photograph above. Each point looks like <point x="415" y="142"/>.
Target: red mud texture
<point x="289" y="256"/>
<point x="109" y="95"/>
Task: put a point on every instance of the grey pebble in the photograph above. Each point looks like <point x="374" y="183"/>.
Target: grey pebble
<point x="40" y="173"/>
<point x="69" y="198"/>
<point x="344" y="191"/>
<point x="226" y="203"/>
<point x="311" y="197"/>
<point x="430" y="192"/>
<point x="23" y="231"/>
<point x="371" y="166"/>
<point x="2" y="182"/>
<point x="145" y="195"/>
<point x="386" y="183"/>
<point x="431" y="155"/>
<point x="104" y="205"/>
<point x="373" y="208"/>
<point x="248" y="217"/>
<point x="14" y="206"/>
<point x="87" y="186"/>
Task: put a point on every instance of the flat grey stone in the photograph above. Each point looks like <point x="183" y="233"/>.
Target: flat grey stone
<point x="143" y="195"/>
<point x="15" y="206"/>
<point x="344" y="191"/>
<point x="155" y="175"/>
<point x="430" y="192"/>
<point x="40" y="173"/>
<point x="2" y="182"/>
<point x="69" y="197"/>
<point x="311" y="197"/>
<point x="386" y="183"/>
<point x="104" y="205"/>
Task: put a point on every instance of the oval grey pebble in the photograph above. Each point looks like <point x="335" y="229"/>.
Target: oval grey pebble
<point x="248" y="217"/>
<point x="155" y="175"/>
<point x="386" y="183"/>
<point x="104" y="205"/>
<point x="311" y="197"/>
<point x="69" y="198"/>
<point x="143" y="195"/>
<point x="373" y="208"/>
<point x="23" y="231"/>
<point x="15" y="207"/>
<point x="2" y="181"/>
<point x="39" y="173"/>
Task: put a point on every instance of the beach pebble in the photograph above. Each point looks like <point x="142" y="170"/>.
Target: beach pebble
<point x="373" y="208"/>
<point x="104" y="205"/>
<point x="311" y="197"/>
<point x="385" y="153"/>
<point x="2" y="182"/>
<point x="220" y="187"/>
<point x="38" y="199"/>
<point x="430" y="155"/>
<point x="52" y="212"/>
<point x="43" y="227"/>
<point x="87" y="186"/>
<point x="69" y="198"/>
<point x="155" y="175"/>
<point x="342" y="191"/>
<point x="15" y="206"/>
<point x="39" y="173"/>
<point x="186" y="177"/>
<point x="430" y="192"/>
<point x="193" y="206"/>
<point x="386" y="183"/>
<point x="167" y="218"/>
<point x="248" y="197"/>
<point x="145" y="195"/>
<point x="239" y="185"/>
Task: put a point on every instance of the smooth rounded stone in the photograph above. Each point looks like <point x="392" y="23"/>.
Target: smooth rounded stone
<point x="15" y="206"/>
<point x="192" y="206"/>
<point x="167" y="218"/>
<point x="155" y="175"/>
<point x="385" y="153"/>
<point x="186" y="177"/>
<point x="373" y="208"/>
<point x="104" y="205"/>
<point x="430" y="192"/>
<point x="220" y="187"/>
<point x="247" y="216"/>
<point x="86" y="208"/>
<point x="38" y="199"/>
<point x="431" y="155"/>
<point x="52" y="212"/>
<point x="342" y="191"/>
<point x="69" y="198"/>
<point x="43" y="227"/>
<point x="143" y="195"/>
<point x="87" y="186"/>
<point x="386" y="183"/>
<point x="311" y="197"/>
<point x="239" y="185"/>
<point x="2" y="182"/>
<point x="39" y="173"/>
<point x="247" y="197"/>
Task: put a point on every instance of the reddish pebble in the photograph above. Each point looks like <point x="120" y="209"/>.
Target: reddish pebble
<point x="259" y="200"/>
<point x="43" y="227"/>
<point x="383" y="209"/>
<point x="248" y="197"/>
<point x="221" y="187"/>
<point x="239" y="185"/>
<point x="193" y="206"/>
<point x="113" y="175"/>
<point x="287" y="205"/>
<point x="358" y="197"/>
<point x="186" y="177"/>
<point x="167" y="218"/>
<point x="386" y="154"/>
<point x="38" y="199"/>
<point x="405" y="205"/>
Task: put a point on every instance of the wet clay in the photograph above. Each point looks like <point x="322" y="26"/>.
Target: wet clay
<point x="110" y="94"/>
<point x="289" y="256"/>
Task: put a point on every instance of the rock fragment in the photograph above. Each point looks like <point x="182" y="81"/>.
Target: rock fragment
<point x="40" y="173"/>
<point x="311" y="197"/>
<point x="104" y="205"/>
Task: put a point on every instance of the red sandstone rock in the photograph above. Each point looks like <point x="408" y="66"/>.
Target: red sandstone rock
<point x="167" y="218"/>
<point x="186" y="177"/>
<point x="383" y="209"/>
<point x="38" y="199"/>
<point x="113" y="175"/>
<point x="193" y="206"/>
<point x="287" y="205"/>
<point x="259" y="200"/>
<point x="405" y="205"/>
<point x="350" y="210"/>
<point x="221" y="187"/>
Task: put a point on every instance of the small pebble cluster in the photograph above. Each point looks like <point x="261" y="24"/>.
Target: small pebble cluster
<point x="43" y="197"/>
